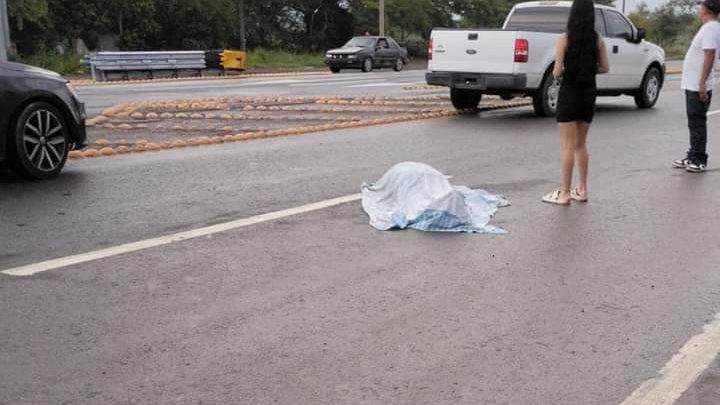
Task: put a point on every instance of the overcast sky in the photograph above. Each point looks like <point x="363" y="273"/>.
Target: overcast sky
<point x="630" y="5"/>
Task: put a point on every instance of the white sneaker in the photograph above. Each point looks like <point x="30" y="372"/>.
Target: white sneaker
<point x="681" y="163"/>
<point x="695" y="167"/>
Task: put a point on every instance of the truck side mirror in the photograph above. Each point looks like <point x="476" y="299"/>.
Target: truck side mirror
<point x="641" y="35"/>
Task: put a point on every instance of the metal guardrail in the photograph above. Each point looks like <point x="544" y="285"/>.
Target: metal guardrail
<point x="104" y="63"/>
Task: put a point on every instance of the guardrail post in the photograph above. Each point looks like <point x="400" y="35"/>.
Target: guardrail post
<point x="93" y="71"/>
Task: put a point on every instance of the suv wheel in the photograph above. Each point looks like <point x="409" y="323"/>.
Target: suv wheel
<point x="649" y="92"/>
<point x="546" y="100"/>
<point x="463" y="99"/>
<point x="39" y="144"/>
<point x="399" y="65"/>
<point x="367" y="65"/>
<point x="335" y="69"/>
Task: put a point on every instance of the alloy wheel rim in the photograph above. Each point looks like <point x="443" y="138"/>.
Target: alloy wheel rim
<point x="553" y="93"/>
<point x="44" y="140"/>
<point x="652" y="88"/>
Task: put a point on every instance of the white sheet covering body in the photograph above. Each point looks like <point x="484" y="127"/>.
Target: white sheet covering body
<point x="415" y="195"/>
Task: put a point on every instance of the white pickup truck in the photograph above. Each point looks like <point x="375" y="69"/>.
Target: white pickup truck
<point x="517" y="60"/>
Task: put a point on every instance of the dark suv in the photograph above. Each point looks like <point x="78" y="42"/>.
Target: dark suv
<point x="41" y="120"/>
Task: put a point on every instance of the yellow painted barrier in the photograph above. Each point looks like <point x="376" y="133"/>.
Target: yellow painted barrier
<point x="233" y="60"/>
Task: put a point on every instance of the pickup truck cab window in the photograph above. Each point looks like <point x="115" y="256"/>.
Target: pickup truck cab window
<point x="548" y="19"/>
<point x="600" y="23"/>
<point x="382" y="43"/>
<point x="542" y="19"/>
<point x="617" y="25"/>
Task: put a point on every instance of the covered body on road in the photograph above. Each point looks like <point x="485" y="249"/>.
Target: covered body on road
<point x="416" y="196"/>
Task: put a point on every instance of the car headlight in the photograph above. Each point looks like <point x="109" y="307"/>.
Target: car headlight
<point x="353" y="56"/>
<point x="72" y="91"/>
<point x="328" y="56"/>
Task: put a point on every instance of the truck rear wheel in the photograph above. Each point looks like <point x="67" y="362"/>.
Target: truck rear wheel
<point x="463" y="99"/>
<point x="546" y="99"/>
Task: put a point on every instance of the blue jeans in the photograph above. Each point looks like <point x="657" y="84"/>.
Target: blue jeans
<point x="697" y="124"/>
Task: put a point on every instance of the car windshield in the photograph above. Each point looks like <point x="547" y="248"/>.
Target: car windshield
<point x="363" y="42"/>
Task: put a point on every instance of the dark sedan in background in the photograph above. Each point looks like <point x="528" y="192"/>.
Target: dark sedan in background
<point x="367" y="53"/>
<point x="41" y="120"/>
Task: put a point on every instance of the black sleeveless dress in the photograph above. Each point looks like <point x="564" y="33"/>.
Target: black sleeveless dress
<point x="578" y="91"/>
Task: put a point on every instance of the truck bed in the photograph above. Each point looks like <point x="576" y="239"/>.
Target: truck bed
<point x="492" y="52"/>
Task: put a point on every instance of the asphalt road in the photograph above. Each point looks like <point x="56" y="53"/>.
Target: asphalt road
<point x="577" y="305"/>
<point x="346" y="83"/>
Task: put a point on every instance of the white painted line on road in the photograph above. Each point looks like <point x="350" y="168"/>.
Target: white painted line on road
<point x="332" y="80"/>
<point x="384" y="84"/>
<point x="713" y="112"/>
<point x="31" y="269"/>
<point x="332" y="83"/>
<point x="681" y="371"/>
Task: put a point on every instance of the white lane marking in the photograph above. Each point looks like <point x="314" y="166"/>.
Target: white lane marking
<point x="681" y="371"/>
<point x="332" y="83"/>
<point x="35" y="268"/>
<point x="234" y="82"/>
<point x="713" y="112"/>
<point x="384" y="84"/>
<point x="328" y="80"/>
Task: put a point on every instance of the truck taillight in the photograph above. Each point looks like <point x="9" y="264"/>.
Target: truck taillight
<point x="430" y="49"/>
<point x="522" y="50"/>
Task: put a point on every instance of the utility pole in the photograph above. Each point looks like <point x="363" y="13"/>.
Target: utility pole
<point x="382" y="18"/>
<point x="4" y="31"/>
<point x="243" y="33"/>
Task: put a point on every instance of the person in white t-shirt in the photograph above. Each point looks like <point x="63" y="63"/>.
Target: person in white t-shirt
<point x="698" y="81"/>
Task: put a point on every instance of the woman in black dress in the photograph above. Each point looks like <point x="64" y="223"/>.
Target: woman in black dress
<point x="580" y="55"/>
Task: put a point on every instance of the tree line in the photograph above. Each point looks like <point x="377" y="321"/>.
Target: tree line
<point x="294" y="25"/>
<point x="671" y="26"/>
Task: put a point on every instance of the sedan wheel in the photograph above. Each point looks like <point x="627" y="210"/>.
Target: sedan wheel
<point x="399" y="65"/>
<point x="39" y="147"/>
<point x="367" y="65"/>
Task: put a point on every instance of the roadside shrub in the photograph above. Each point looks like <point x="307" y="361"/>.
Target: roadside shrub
<point x="64" y="64"/>
<point x="278" y="59"/>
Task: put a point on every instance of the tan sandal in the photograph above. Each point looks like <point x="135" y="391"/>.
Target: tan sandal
<point x="554" y="198"/>
<point x="575" y="195"/>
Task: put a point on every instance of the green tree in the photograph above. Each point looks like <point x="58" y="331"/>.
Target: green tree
<point x="132" y="21"/>
<point x="642" y="17"/>
<point x="32" y="11"/>
<point x="409" y="17"/>
<point x="72" y="20"/>
<point x="483" y="13"/>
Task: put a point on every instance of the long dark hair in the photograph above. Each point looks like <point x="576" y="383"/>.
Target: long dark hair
<point x="581" y="58"/>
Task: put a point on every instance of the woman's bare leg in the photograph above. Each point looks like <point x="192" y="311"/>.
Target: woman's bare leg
<point x="568" y="142"/>
<point x="582" y="158"/>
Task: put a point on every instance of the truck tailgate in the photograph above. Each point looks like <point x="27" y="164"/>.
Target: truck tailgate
<point x="488" y="51"/>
